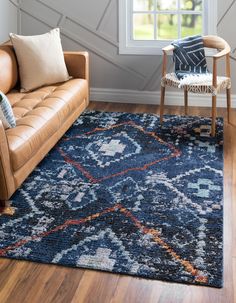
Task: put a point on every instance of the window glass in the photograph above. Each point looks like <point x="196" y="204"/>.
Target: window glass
<point x="167" y="26"/>
<point x="191" y="25"/>
<point x="143" y="5"/>
<point x="167" y="4"/>
<point x="143" y="26"/>
<point x="193" y="5"/>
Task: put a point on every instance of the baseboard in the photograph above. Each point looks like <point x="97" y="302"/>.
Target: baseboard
<point x="149" y="97"/>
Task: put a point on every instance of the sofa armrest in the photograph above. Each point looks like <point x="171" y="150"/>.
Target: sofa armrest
<point x="7" y="183"/>
<point x="77" y="64"/>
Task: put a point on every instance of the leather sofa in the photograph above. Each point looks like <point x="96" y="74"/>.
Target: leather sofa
<point x="42" y="117"/>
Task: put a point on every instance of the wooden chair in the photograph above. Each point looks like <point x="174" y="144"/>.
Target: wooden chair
<point x="217" y="84"/>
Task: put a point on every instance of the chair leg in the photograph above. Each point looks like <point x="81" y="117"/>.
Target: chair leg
<point x="185" y="102"/>
<point x="213" y="122"/>
<point x="163" y="89"/>
<point x="228" y="94"/>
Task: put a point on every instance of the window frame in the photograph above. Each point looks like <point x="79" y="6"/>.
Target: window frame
<point x="154" y="47"/>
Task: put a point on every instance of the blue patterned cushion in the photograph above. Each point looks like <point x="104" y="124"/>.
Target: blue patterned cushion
<point x="6" y="113"/>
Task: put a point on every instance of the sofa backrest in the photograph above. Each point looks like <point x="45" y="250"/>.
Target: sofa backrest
<point x="8" y="68"/>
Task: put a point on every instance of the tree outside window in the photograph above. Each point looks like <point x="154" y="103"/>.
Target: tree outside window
<point x="166" y="19"/>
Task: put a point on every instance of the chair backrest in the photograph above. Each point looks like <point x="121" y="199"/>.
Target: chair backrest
<point x="215" y="42"/>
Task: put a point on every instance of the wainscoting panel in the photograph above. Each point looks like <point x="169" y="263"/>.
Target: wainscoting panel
<point x="93" y="26"/>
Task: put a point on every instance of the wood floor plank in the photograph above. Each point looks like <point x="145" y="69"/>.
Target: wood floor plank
<point x="233" y="216"/>
<point x="67" y="288"/>
<point x="27" y="282"/>
<point x="11" y="282"/>
<point x="7" y="267"/>
<point x="30" y="282"/>
<point x="132" y="289"/>
<point x="96" y="287"/>
<point x="234" y="278"/>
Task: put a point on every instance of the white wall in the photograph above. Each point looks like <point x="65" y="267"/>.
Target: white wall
<point x="8" y="19"/>
<point x="93" y="25"/>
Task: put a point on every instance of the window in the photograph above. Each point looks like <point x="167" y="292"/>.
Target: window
<point x="148" y="25"/>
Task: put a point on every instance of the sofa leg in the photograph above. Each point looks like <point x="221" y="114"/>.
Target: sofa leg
<point x="6" y="208"/>
<point x="2" y="203"/>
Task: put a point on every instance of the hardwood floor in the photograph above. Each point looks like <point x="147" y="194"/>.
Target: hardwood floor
<point x="22" y="282"/>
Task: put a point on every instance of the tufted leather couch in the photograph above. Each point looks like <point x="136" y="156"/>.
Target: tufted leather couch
<point x="42" y="117"/>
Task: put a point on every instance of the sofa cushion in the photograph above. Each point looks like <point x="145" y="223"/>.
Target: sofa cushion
<point x="39" y="115"/>
<point x="40" y="58"/>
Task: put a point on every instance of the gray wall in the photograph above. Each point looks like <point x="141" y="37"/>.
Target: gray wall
<point x="93" y="25"/>
<point x="8" y="19"/>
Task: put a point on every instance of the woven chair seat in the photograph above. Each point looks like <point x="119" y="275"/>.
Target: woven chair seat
<point x="201" y="88"/>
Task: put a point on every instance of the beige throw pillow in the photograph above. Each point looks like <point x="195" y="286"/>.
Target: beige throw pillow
<point x="40" y="58"/>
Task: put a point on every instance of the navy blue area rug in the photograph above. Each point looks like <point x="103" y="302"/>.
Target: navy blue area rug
<point x="121" y="194"/>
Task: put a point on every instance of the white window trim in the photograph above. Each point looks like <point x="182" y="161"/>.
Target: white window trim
<point x="148" y="47"/>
